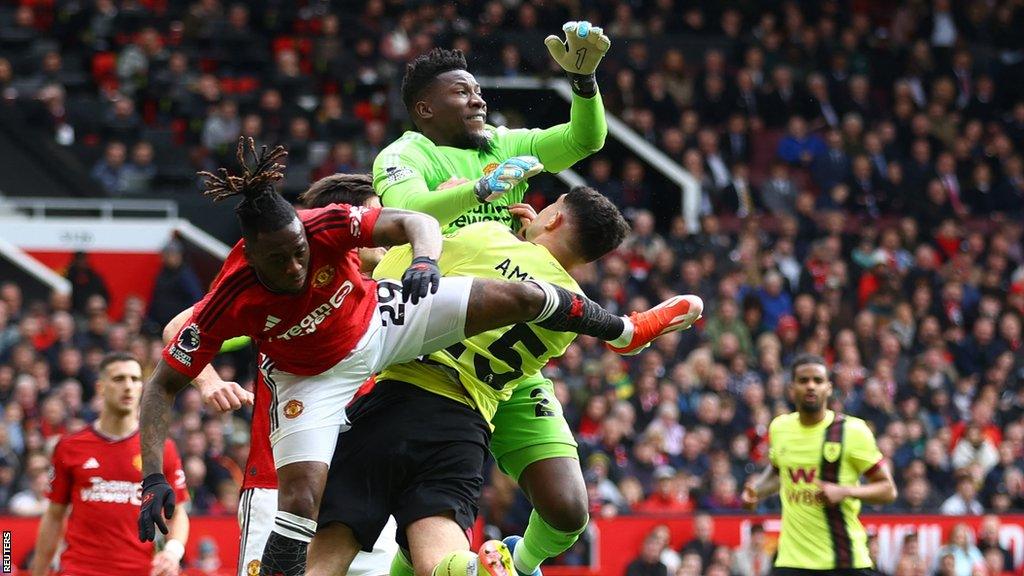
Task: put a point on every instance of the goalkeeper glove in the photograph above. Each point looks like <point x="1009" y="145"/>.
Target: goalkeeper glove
<point x="580" y="54"/>
<point x="507" y="176"/>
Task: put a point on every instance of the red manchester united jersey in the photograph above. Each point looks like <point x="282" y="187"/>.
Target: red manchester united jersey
<point x="259" y="466"/>
<point x="304" y="333"/>
<point x="101" y="478"/>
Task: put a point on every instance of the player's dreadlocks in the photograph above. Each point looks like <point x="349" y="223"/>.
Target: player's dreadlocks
<point x="262" y="209"/>
<point x="351" y="189"/>
<point x="600" y="227"/>
<point x="421" y="72"/>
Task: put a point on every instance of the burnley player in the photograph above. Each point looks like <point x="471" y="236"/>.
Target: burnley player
<point x="258" y="500"/>
<point x="293" y="275"/>
<point x="98" y="473"/>
<point x="419" y="439"/>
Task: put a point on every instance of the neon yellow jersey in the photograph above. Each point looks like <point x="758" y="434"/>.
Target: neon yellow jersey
<point x="813" y="536"/>
<point x="483" y="370"/>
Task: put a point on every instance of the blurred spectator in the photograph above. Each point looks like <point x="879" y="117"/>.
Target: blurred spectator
<point x="111" y="171"/>
<point x="703" y="538"/>
<point x="141" y="171"/>
<point x="958" y="557"/>
<point x="753" y="559"/>
<point x="964" y="501"/>
<point x="649" y="561"/>
<point x="177" y="286"/>
<point x="85" y="282"/>
<point x="32" y="501"/>
<point x="669" y="496"/>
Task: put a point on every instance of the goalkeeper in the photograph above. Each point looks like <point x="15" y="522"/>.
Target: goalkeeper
<point x="532" y="441"/>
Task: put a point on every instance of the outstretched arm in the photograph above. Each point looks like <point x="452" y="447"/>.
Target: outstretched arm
<point x="396" y="227"/>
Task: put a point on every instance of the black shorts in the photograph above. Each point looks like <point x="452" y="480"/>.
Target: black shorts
<point x="834" y="572"/>
<point x="410" y="454"/>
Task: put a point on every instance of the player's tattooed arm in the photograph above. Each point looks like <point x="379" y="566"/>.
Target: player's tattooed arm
<point x="155" y="415"/>
<point x="394" y="227"/>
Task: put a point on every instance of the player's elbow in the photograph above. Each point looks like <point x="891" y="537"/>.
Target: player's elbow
<point x="890" y="494"/>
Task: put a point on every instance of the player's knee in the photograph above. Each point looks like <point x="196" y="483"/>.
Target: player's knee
<point x="300" y="499"/>
<point x="568" y="512"/>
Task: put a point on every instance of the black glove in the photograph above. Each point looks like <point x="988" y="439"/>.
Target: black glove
<point x="156" y="495"/>
<point x="421" y="276"/>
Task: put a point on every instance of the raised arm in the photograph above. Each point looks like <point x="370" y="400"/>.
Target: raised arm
<point x="559" y="147"/>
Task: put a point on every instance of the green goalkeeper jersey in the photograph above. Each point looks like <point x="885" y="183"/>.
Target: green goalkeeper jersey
<point x="482" y="371"/>
<point x="407" y="172"/>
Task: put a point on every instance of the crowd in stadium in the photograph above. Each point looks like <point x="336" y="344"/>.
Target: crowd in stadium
<point x="855" y="186"/>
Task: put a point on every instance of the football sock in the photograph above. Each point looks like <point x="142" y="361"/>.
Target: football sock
<point x="564" y="311"/>
<point x="285" y="552"/>
<point x="540" y="542"/>
<point x="401" y="566"/>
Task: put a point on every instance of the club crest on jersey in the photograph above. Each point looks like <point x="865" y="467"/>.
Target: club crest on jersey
<point x="323" y="276"/>
<point x="397" y="173"/>
<point x="253" y="568"/>
<point x="831" y="451"/>
<point x="188" y="339"/>
<point x="490" y="168"/>
<point x="293" y="409"/>
<point x="137" y="462"/>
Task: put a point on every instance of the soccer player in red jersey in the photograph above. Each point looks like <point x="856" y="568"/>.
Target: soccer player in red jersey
<point x="292" y="276"/>
<point x="98" y="473"/>
<point x="258" y="501"/>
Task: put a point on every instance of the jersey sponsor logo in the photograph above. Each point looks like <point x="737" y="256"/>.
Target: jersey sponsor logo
<point x="831" y="451"/>
<point x="113" y="491"/>
<point x="253" y="568"/>
<point x="797" y="475"/>
<point x="293" y="409"/>
<point x="271" y="322"/>
<point x="312" y="321"/>
<point x="397" y="173"/>
<point x="322" y="277"/>
<point x="806" y="496"/>
<point x="188" y="338"/>
<point x="90" y="464"/>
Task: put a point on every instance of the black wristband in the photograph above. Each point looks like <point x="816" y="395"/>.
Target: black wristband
<point x="584" y="85"/>
<point x="424" y="260"/>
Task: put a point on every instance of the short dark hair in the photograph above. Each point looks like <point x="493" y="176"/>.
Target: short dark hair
<point x="424" y="69"/>
<point x="599" y="225"/>
<point x="262" y="209"/>
<point x="354" y="189"/>
<point x="112" y="357"/>
<point x="805" y="358"/>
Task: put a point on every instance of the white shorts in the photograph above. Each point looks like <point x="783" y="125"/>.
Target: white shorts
<point x="308" y="412"/>
<point x="256" y="511"/>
